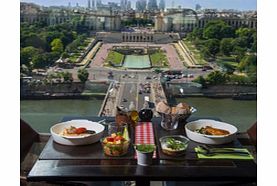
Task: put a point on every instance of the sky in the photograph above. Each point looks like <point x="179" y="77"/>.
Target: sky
<point x="219" y="4"/>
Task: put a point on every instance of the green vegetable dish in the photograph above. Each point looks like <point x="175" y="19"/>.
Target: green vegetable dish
<point x="145" y="148"/>
<point x="174" y="145"/>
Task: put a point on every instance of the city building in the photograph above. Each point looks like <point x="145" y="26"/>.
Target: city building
<point x="177" y="20"/>
<point x="233" y="18"/>
<point x="100" y="20"/>
<point x="198" y="7"/>
<point x="138" y="36"/>
<point x="141" y="5"/>
<point x="98" y="3"/>
<point x="129" y="5"/>
<point x="93" y="4"/>
<point x="162" y="5"/>
<point x="185" y="20"/>
<point x="89" y="5"/>
<point x="152" y="5"/>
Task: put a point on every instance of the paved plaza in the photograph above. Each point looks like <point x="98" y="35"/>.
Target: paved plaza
<point x="172" y="56"/>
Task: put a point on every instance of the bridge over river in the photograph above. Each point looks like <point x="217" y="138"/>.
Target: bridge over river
<point x="131" y="88"/>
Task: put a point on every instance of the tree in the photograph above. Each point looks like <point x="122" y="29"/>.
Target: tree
<point x="212" y="46"/>
<point x="239" y="52"/>
<point x="216" y="78"/>
<point x="83" y="75"/>
<point x="217" y="29"/>
<point x="26" y="54"/>
<point x="247" y="33"/>
<point x="67" y="76"/>
<point x="201" y="80"/>
<point x="254" y="45"/>
<point x="248" y="62"/>
<point x="43" y="60"/>
<point x="196" y="33"/>
<point x="205" y="53"/>
<point x="226" y="46"/>
<point x="64" y="55"/>
<point x="39" y="61"/>
<point x="241" y="42"/>
<point x="239" y="79"/>
<point x="57" y="45"/>
<point x="35" y="41"/>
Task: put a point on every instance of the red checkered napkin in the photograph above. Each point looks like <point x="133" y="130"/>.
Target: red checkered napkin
<point x="144" y="134"/>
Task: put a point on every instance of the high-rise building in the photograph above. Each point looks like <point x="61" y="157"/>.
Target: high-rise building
<point x="141" y="5"/>
<point x="162" y="5"/>
<point x="93" y="4"/>
<point x="89" y="4"/>
<point x="152" y="5"/>
<point x="125" y="5"/>
<point x="198" y="7"/>
<point x="129" y="5"/>
<point x="98" y="3"/>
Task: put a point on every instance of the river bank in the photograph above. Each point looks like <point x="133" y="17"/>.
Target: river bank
<point x="237" y="92"/>
<point x="74" y="90"/>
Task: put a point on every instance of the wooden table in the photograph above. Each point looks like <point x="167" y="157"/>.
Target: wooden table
<point x="186" y="168"/>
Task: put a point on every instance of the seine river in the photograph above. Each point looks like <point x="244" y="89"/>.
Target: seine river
<point x="42" y="114"/>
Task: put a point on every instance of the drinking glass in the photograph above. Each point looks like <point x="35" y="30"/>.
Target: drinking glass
<point x="113" y="127"/>
<point x="169" y="121"/>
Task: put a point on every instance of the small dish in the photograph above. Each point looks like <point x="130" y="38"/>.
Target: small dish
<point x="174" y="145"/>
<point x="115" y="145"/>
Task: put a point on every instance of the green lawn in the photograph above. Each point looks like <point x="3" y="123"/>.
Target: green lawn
<point x="81" y="48"/>
<point x="159" y="59"/>
<point x="196" y="53"/>
<point x="74" y="57"/>
<point x="227" y="61"/>
<point x="115" y="57"/>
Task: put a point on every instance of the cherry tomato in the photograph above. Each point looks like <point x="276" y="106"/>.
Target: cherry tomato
<point x="117" y="138"/>
<point x="110" y="139"/>
<point x="80" y="130"/>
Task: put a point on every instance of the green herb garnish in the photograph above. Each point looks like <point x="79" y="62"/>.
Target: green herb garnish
<point x="119" y="134"/>
<point x="175" y="144"/>
<point x="145" y="148"/>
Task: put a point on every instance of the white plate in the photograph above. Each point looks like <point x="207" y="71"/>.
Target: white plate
<point x="209" y="139"/>
<point x="77" y="140"/>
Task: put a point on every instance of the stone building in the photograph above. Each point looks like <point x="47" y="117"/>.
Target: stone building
<point x="185" y="20"/>
<point x="151" y="37"/>
<point x="95" y="20"/>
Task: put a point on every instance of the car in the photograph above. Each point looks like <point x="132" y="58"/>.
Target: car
<point x="207" y="67"/>
<point x="147" y="77"/>
<point x="190" y="75"/>
<point x="184" y="75"/>
<point x="124" y="100"/>
<point x="140" y="92"/>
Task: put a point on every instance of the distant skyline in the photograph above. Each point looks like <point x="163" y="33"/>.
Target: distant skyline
<point x="219" y="4"/>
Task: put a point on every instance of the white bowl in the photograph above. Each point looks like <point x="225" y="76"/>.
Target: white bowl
<point x="77" y="140"/>
<point x="209" y="139"/>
